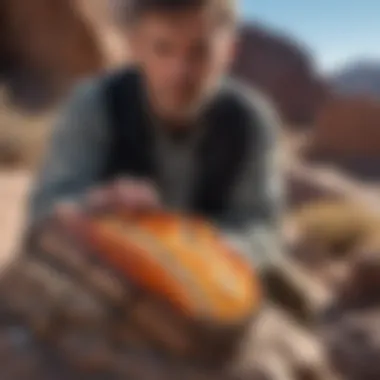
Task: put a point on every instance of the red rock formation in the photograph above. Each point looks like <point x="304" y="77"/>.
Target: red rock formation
<point x="348" y="127"/>
<point x="347" y="134"/>
<point x="46" y="42"/>
<point x="282" y="70"/>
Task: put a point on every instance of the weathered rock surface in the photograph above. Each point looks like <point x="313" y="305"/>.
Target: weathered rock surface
<point x="346" y="134"/>
<point x="283" y="70"/>
<point x="319" y="321"/>
<point x="46" y="46"/>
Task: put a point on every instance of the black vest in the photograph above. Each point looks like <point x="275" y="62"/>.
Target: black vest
<point x="222" y="152"/>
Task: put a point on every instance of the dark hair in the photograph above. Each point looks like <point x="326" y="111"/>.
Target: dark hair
<point x="224" y="10"/>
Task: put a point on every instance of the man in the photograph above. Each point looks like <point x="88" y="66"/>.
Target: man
<point x="180" y="134"/>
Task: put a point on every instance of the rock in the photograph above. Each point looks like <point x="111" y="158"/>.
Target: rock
<point x="47" y="46"/>
<point x="304" y="186"/>
<point x="347" y="135"/>
<point x="282" y="349"/>
<point x="358" y="78"/>
<point x="362" y="286"/>
<point x="276" y="349"/>
<point x="307" y="183"/>
<point x="339" y="245"/>
<point x="295" y="290"/>
<point x="353" y="339"/>
<point x="283" y="70"/>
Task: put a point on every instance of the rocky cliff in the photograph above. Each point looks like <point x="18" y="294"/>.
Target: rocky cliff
<point x="283" y="70"/>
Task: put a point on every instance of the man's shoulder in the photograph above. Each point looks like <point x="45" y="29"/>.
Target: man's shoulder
<point x="250" y="108"/>
<point x="244" y="98"/>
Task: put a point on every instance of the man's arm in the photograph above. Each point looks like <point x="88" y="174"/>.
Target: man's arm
<point x="75" y="155"/>
<point x="253" y="219"/>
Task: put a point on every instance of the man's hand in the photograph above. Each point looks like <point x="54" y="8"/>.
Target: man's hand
<point x="129" y="194"/>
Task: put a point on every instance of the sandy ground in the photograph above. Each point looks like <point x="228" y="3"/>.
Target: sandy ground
<point x="14" y="187"/>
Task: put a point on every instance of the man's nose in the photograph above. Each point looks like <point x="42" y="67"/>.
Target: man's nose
<point x="181" y="69"/>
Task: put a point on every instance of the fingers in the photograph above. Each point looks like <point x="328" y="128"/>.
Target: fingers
<point x="69" y="215"/>
<point x="129" y="194"/>
<point x="100" y="199"/>
<point x="136" y="194"/>
<point x="124" y="194"/>
<point x="67" y="210"/>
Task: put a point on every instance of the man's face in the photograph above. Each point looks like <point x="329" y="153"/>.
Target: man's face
<point x="183" y="55"/>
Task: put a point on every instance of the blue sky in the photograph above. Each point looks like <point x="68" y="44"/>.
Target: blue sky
<point x="336" y="31"/>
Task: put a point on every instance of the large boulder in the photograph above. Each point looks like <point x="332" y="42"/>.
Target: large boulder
<point x="46" y="46"/>
<point x="283" y="70"/>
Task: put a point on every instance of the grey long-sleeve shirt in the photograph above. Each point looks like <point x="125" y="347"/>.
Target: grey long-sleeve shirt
<point x="81" y="140"/>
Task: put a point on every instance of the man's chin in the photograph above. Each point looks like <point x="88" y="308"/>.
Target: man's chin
<point x="181" y="115"/>
<point x="186" y="111"/>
